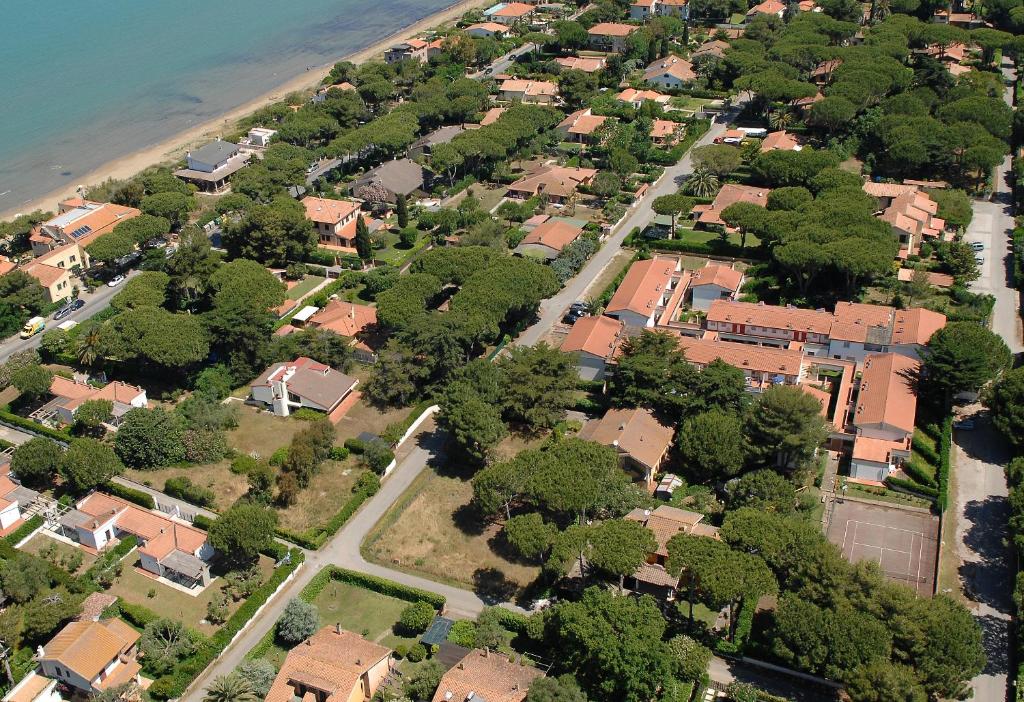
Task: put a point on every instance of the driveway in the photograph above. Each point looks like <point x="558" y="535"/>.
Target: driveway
<point x="991" y="225"/>
<point x="639" y="215"/>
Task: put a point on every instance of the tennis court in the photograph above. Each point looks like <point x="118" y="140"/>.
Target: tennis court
<point x="903" y="542"/>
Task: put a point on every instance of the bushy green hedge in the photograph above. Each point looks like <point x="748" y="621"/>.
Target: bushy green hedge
<point x="945" y="445"/>
<point x="174" y="684"/>
<point x="34" y="427"/>
<point x="911" y="487"/>
<point x="918" y="473"/>
<point x="379" y="585"/>
<point x="136" y="615"/>
<point x="139" y="497"/>
<point x="744" y="625"/>
<point x="710" y="248"/>
<point x="33" y="523"/>
<point x="513" y="621"/>
<point x="201" y="521"/>
<point x="924" y="450"/>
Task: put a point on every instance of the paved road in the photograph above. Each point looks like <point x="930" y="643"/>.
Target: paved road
<point x="501" y="64"/>
<point x="978" y="484"/>
<point x="640" y="215"/>
<point x="94" y="303"/>
<point x="724" y="671"/>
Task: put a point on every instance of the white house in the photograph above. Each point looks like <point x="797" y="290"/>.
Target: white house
<point x="671" y="72"/>
<point x="14" y="499"/>
<point x="92" y="657"/>
<point x="714" y="282"/>
<point x="69" y="395"/>
<point x="212" y="164"/>
<point x="645" y="292"/>
<point x="302" y="383"/>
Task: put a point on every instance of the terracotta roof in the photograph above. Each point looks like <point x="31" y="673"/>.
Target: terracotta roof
<point x="492" y="27"/>
<point x="86" y="648"/>
<point x="770" y="316"/>
<point x="730" y="193"/>
<point x="941" y="280"/>
<point x="780" y="141"/>
<point x="515" y="9"/>
<point x="671" y="65"/>
<point x="635" y="432"/>
<point x="666" y="521"/>
<point x="161" y="534"/>
<point x="594" y="335"/>
<point x="76" y="393"/>
<point x="582" y="122"/>
<point x="768" y="7"/>
<point x="557" y="180"/>
<point x="612" y="29"/>
<point x="711" y="48"/>
<point x="655" y="574"/>
<point x="854" y="321"/>
<point x="491" y="677"/>
<point x="887" y="190"/>
<point x="866" y="448"/>
<point x="555" y="234"/>
<point x="887" y="394"/>
<point x="662" y="128"/>
<point x="643" y="287"/>
<point x="722" y="276"/>
<point x="588" y="64"/>
<point x="83" y="220"/>
<point x="529" y="87"/>
<point x="331" y="661"/>
<point x="763" y="359"/>
<point x="632" y="95"/>
<point x="326" y="211"/>
<point x="916" y="325"/>
<point x="344" y="318"/>
<point x="46" y="274"/>
<point x="6" y="265"/>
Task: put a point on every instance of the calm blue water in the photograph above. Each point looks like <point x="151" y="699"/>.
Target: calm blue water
<point x="87" y="81"/>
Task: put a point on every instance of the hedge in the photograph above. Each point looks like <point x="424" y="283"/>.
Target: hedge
<point x="513" y="621"/>
<point x="924" y="450"/>
<point x="371" y="582"/>
<point x="136" y="615"/>
<point x="945" y="445"/>
<point x="174" y="684"/>
<point x="909" y="486"/>
<point x="106" y="558"/>
<point x="710" y="248"/>
<point x="139" y="497"/>
<point x="34" y="427"/>
<point x="315" y="537"/>
<point x="744" y="625"/>
<point x="201" y="521"/>
<point x="33" y="523"/>
<point x="918" y="474"/>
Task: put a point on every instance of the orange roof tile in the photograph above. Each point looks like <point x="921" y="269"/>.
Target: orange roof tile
<point x="556" y="180"/>
<point x="916" y="325"/>
<point x="762" y="359"/>
<point x="344" y="318"/>
<point x="594" y="335"/>
<point x="887" y="190"/>
<point x="330" y="661"/>
<point x="492" y="115"/>
<point x="320" y="209"/>
<point x="635" y="432"/>
<point x="887" y="395"/>
<point x="722" y="276"/>
<point x="667" y="521"/>
<point x="490" y="676"/>
<point x="587" y="64"/>
<point x="612" y="29"/>
<point x="86" y="648"/>
<point x="554" y="234"/>
<point x="780" y="141"/>
<point x="730" y="194"/>
<point x="770" y="316"/>
<point x="643" y="286"/>
<point x="582" y="122"/>
<point x="852" y="321"/>
<point x="515" y="9"/>
<point x="866" y="448"/>
<point x="46" y="275"/>
<point x="671" y="65"/>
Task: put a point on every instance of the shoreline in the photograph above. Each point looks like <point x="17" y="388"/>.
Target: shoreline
<point x="174" y="148"/>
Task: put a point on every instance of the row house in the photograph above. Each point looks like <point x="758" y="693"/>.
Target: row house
<point x="884" y="416"/>
<point x="610" y="36"/>
<point x="642" y="10"/>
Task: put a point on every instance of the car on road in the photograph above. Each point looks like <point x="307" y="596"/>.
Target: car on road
<point x="488" y="71"/>
<point x="964" y="425"/>
<point x="578" y="306"/>
<point x="979" y="259"/>
<point x="115" y="281"/>
<point x="572" y="316"/>
<point x="977" y="246"/>
<point x="76" y="304"/>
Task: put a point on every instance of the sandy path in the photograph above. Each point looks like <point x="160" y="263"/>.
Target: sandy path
<point x="175" y="147"/>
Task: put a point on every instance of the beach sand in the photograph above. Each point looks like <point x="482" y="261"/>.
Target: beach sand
<point x="174" y="148"/>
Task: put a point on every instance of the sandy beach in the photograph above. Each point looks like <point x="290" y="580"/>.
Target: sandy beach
<point x="175" y="147"/>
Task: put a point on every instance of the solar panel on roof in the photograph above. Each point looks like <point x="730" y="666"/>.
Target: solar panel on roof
<point x="81" y="231"/>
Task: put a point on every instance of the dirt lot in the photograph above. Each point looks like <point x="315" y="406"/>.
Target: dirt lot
<point x="903" y="542"/>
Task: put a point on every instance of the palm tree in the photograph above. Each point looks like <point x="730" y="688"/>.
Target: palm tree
<point x="230" y="688"/>
<point x="780" y="118"/>
<point x="701" y="183"/>
<point x="89" y="347"/>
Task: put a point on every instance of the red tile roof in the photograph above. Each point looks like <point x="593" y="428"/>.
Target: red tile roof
<point x="887" y="394"/>
<point x="597" y="336"/>
<point x="643" y="286"/>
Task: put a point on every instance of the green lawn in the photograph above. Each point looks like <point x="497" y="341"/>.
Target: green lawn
<point x="394" y="254"/>
<point x="359" y="610"/>
<point x="884" y="495"/>
<point x="701" y="236"/>
<point x="304" y="286"/>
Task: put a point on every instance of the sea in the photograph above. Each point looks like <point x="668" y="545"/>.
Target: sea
<point x="84" y="82"/>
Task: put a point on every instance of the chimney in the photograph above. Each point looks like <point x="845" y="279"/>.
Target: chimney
<point x="337" y="627"/>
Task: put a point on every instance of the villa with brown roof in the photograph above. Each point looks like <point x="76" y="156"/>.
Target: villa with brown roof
<point x="768" y="7"/>
<point x="672" y="72"/>
<point x="484" y="676"/>
<point x="92" y="657"/>
<point x="167" y="548"/>
<point x="556" y="183"/>
<point x="587" y="64"/>
<point x="357" y="322"/>
<point x="884" y="417"/>
<point x="548" y="239"/>
<point x="645" y="291"/>
<point x="780" y="141"/>
<point x="637" y="97"/>
<point x="610" y="36"/>
<point x="665" y="522"/>
<point x="334" y="220"/>
<point x="885" y="193"/>
<point x="483" y="30"/>
<point x="714" y="48"/>
<point x="580" y="126"/>
<point x="666" y="132"/>
<point x="56" y="281"/>
<point x="78" y="221"/>
<point x="912" y="216"/>
<point x="69" y="395"/>
<point x="539" y="92"/>
<point x="641" y="441"/>
<point x="513" y="13"/>
<point x="730" y="193"/>
<point x="302" y="383"/>
<point x="593" y="340"/>
<point x="332" y="665"/>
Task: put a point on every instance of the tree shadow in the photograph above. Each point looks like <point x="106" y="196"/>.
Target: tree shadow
<point x="492" y="586"/>
<point x="995" y="639"/>
<point x="469" y="521"/>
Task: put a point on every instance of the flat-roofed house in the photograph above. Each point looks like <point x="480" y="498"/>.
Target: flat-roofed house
<point x="548" y="239"/>
<point x="211" y="165"/>
<point x="639" y="438"/>
<point x="334" y="220"/>
<point x="610" y="36"/>
<point x="671" y="72"/>
<point x="713" y="282"/>
<point x="332" y="665"/>
<point x="409" y="50"/>
<point x="557" y="183"/>
<point x="665" y="522"/>
<point x="593" y="340"/>
<point x="15" y="498"/>
<point x="302" y="383"/>
<point x="92" y="657"/>
<point x="644" y="292"/>
<point x="884" y="417"/>
<point x="167" y="548"/>
<point x="485" y="676"/>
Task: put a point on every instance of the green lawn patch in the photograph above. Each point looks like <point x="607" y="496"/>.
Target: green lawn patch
<point x="304" y="286"/>
<point x="885" y="495"/>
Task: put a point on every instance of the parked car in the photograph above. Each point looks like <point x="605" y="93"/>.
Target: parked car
<point x="115" y="281"/>
<point x="572" y="315"/>
<point x="979" y="259"/>
<point x="76" y="304"/>
<point x="964" y="425"/>
<point x="977" y="246"/>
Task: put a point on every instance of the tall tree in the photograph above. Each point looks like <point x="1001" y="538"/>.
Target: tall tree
<point x="89" y="463"/>
<point x="538" y="385"/>
<point x="712" y="446"/>
<point x="785" y="428"/>
<point x="243" y="531"/>
<point x="363" y="245"/>
<point x="963" y="357"/>
<point x="620" y="546"/>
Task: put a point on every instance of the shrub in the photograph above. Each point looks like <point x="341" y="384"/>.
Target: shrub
<point x="243" y="464"/>
<point x="339" y="453"/>
<point x="139" y="497"/>
<point x="416" y="617"/>
<point x="356" y="446"/>
<point x="417" y="652"/>
<point x="377" y="456"/>
<point x="463" y="633"/>
<point x="184" y="489"/>
<point x="401" y="650"/>
<point x="367" y="483"/>
<point x="278" y="456"/>
<point x="298" y="622"/>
